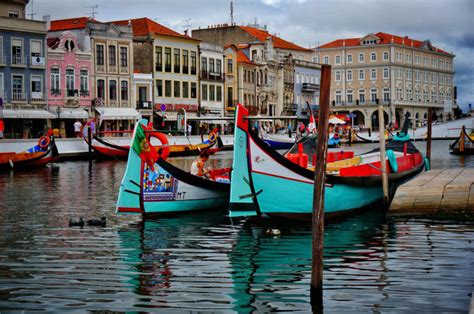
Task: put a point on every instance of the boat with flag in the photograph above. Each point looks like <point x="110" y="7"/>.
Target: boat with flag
<point x="37" y="156"/>
<point x="264" y="182"/>
<point x="151" y="186"/>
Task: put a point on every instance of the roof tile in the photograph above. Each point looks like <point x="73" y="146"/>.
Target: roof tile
<point x="262" y="35"/>
<point x="144" y="26"/>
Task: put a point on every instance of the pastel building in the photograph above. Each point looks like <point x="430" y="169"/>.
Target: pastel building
<point x="69" y="72"/>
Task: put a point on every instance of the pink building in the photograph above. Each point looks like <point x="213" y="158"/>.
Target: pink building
<point x="69" y="73"/>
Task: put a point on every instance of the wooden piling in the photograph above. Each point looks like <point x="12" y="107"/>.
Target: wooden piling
<point x="89" y="140"/>
<point x="316" y="294"/>
<point x="383" y="162"/>
<point x="428" y="135"/>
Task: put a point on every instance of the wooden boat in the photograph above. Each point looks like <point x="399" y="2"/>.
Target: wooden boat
<point x="277" y="142"/>
<point x="264" y="182"/>
<point x="163" y="189"/>
<point x="107" y="149"/>
<point x="464" y="144"/>
<point x="37" y="156"/>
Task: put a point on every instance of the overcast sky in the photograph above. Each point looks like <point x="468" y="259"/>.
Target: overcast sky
<point x="449" y="24"/>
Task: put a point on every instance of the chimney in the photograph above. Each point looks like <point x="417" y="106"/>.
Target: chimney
<point x="47" y="19"/>
<point x="185" y="32"/>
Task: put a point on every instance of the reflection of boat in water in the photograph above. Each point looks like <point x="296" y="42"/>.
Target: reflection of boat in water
<point x="265" y="182"/>
<point x="464" y="144"/>
<point x="273" y="273"/>
<point x="152" y="186"/>
<point x="35" y="157"/>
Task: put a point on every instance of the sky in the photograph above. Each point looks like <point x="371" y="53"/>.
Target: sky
<point x="448" y="24"/>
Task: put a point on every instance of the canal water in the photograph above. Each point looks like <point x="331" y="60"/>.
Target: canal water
<point x="207" y="262"/>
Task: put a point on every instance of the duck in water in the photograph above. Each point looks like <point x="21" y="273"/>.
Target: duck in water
<point x="79" y="223"/>
<point x="98" y="223"/>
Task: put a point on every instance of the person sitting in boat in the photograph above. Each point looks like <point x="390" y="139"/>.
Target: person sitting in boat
<point x="197" y="168"/>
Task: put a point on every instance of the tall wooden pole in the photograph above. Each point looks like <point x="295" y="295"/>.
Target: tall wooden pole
<point x="89" y="139"/>
<point x="316" y="294"/>
<point x="428" y="136"/>
<point x="383" y="161"/>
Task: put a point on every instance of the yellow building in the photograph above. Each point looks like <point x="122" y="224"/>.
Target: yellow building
<point x="404" y="74"/>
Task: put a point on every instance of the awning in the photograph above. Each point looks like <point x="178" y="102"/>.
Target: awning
<point x="27" y="114"/>
<point x="117" y="113"/>
<point x="76" y="113"/>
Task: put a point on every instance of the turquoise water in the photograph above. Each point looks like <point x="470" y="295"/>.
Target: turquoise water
<point x="207" y="262"/>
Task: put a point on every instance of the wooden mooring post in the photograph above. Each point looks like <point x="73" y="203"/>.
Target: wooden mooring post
<point x="383" y="162"/>
<point x="316" y="293"/>
<point x="89" y="139"/>
<point x="428" y="135"/>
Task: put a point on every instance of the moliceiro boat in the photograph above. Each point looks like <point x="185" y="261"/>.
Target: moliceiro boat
<point x="264" y="182"/>
<point x="464" y="144"/>
<point x="37" y="156"/>
<point x="153" y="187"/>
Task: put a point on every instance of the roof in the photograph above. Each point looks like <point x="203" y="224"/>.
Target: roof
<point x="384" y="40"/>
<point x="68" y="24"/>
<point x="243" y="58"/>
<point x="262" y="35"/>
<point x="144" y="26"/>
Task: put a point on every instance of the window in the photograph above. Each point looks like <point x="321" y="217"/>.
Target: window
<point x="204" y="66"/>
<point x="426" y="96"/>
<point x="101" y="89"/>
<point x="373" y="57"/>
<point x="69" y="45"/>
<point x="177" y="90"/>
<point x="177" y="59"/>
<point x="386" y="94"/>
<point x="124" y="90"/>
<point x="399" y="73"/>
<point x="193" y="64"/>
<point x="373" y="74"/>
<point x="408" y="58"/>
<point x="433" y="63"/>
<point x="17" y="51"/>
<point x="362" y="96"/>
<point x="185" y="89"/>
<point x="338" y="76"/>
<point x="326" y="60"/>
<point x="426" y="61"/>
<point x="349" y="58"/>
<point x="417" y="76"/>
<point x="193" y="90"/>
<point x="361" y="75"/>
<point x="349" y="75"/>
<point x="167" y="88"/>
<point x="113" y="90"/>
<point x="212" y="92"/>
<point x="35" y="49"/>
<point x="434" y="78"/>
<point x="84" y="81"/>
<point x="385" y="56"/>
<point x="112" y="60"/>
<point x="204" y="92"/>
<point x="212" y="66"/>
<point x="316" y="59"/>
<point x="36" y="87"/>
<point x="417" y="59"/>
<point x="350" y="96"/>
<point x="218" y="93"/>
<point x="159" y="88"/>
<point x="373" y="95"/>
<point x="385" y="73"/>
<point x="230" y="96"/>
<point x="13" y="14"/>
<point x="123" y="57"/>
<point x="361" y="57"/>
<point x="2" y="91"/>
<point x="409" y="75"/>
<point x="219" y="68"/>
<point x="99" y="51"/>
<point x="17" y="87"/>
<point x="338" y="59"/>
<point x="185" y="62"/>
<point x="230" y="65"/>
<point x="433" y="95"/>
<point x="409" y="92"/>
<point x="55" y="81"/>
<point x="399" y="93"/>
<point x="417" y="94"/>
<point x="159" y="59"/>
<point x="70" y="82"/>
<point x="399" y="56"/>
<point x="338" y="97"/>
<point x="168" y="60"/>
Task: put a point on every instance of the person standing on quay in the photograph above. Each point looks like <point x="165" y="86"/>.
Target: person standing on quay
<point x="77" y="128"/>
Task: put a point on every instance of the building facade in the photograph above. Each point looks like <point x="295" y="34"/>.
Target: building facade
<point x="70" y="88"/>
<point x="404" y="74"/>
<point x="22" y="72"/>
<point x="306" y="87"/>
<point x="247" y="81"/>
<point x="231" y="98"/>
<point x="211" y="80"/>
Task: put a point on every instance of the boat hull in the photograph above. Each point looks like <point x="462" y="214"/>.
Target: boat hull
<point x="27" y="160"/>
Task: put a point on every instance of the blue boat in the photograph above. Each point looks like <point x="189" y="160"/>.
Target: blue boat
<point x="163" y="189"/>
<point x="278" y="143"/>
<point x="264" y="182"/>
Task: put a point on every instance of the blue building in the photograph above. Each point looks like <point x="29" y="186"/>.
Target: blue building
<point x="22" y="72"/>
<point x="306" y="87"/>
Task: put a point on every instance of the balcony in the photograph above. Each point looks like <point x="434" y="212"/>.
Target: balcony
<point x="212" y="76"/>
<point x="309" y="87"/>
<point x="37" y="97"/>
<point x="84" y="93"/>
<point x="72" y="93"/>
<point x="18" y="96"/>
<point x="56" y="92"/>
<point x="144" y="104"/>
<point x="18" y="60"/>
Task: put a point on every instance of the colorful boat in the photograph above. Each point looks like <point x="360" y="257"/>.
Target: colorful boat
<point x="277" y="142"/>
<point x="37" y="156"/>
<point x="107" y="149"/>
<point x="464" y="144"/>
<point x="264" y="182"/>
<point x="157" y="188"/>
